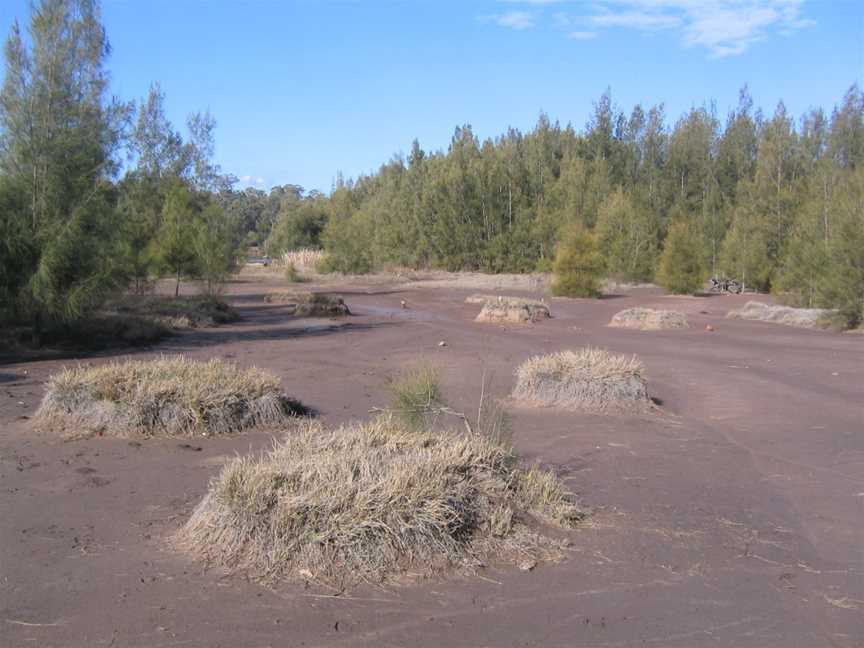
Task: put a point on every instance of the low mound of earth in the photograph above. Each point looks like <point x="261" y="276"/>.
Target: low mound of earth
<point x="509" y="309"/>
<point x="176" y="313"/>
<point x="308" y="304"/>
<point x="811" y="318"/>
<point x="373" y="501"/>
<point x="168" y="396"/>
<point x="588" y="379"/>
<point x="649" y="319"/>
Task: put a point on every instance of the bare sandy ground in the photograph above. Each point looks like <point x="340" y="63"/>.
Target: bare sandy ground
<point x="734" y="517"/>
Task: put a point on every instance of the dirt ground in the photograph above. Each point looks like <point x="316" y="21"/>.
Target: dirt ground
<point x="732" y="517"/>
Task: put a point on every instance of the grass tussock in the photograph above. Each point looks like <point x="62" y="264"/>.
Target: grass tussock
<point x="171" y="395"/>
<point x="509" y="309"/>
<point x="812" y="318"/>
<point x="416" y="396"/>
<point x="588" y="379"/>
<point x="176" y="313"/>
<point x="372" y="501"/>
<point x="304" y="259"/>
<point x="309" y="304"/>
<point x="649" y="319"/>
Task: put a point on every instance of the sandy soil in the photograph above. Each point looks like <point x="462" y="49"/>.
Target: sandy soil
<point x="734" y="517"/>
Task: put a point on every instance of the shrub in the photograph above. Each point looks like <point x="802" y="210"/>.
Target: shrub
<point x="416" y="393"/>
<point x="292" y="275"/>
<point x="648" y="319"/>
<point x="681" y="271"/>
<point x="168" y="396"/>
<point x="578" y="266"/>
<point x="588" y="379"/>
<point x="369" y="501"/>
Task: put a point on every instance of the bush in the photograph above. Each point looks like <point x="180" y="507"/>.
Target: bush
<point x="588" y="379"/>
<point x="292" y="275"/>
<point x="578" y="266"/>
<point x="416" y="394"/>
<point x="681" y="270"/>
<point x="369" y="501"/>
<point x="168" y="396"/>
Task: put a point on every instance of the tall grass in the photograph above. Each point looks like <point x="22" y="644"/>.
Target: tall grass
<point x="589" y="379"/>
<point x="171" y="395"/>
<point x="370" y="501"/>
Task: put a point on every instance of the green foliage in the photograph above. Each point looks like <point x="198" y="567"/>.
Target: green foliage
<point x="628" y="237"/>
<point x="176" y="236"/>
<point x="300" y="224"/>
<point x="578" y="265"/>
<point x="292" y="275"/>
<point x="215" y="246"/>
<point x="416" y="394"/>
<point x="348" y="242"/>
<point x="76" y="269"/>
<point x="60" y="135"/>
<point x="681" y="270"/>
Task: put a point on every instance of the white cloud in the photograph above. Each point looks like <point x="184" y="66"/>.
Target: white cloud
<point x="252" y="181"/>
<point x="723" y="27"/>
<point x="516" y="20"/>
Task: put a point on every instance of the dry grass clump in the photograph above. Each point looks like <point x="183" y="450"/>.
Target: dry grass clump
<point x="371" y="501"/>
<point x="303" y="259"/>
<point x="588" y="379"/>
<point x="177" y="312"/>
<point x="311" y="304"/>
<point x="800" y="317"/>
<point x="168" y="396"/>
<point x="509" y="309"/>
<point x="648" y="319"/>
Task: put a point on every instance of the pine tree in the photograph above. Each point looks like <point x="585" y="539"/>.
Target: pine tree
<point x="215" y="244"/>
<point x="174" y="243"/>
<point x="59" y="135"/>
<point x="628" y="237"/>
<point x="578" y="266"/>
<point x="681" y="269"/>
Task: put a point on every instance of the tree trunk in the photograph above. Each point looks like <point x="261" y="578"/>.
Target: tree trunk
<point x="177" y="287"/>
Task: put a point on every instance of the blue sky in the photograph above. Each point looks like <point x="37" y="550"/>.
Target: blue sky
<point x="303" y="89"/>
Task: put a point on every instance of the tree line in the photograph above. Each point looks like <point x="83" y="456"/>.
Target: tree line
<point x="772" y="201"/>
<point x="98" y="194"/>
<point x="72" y="231"/>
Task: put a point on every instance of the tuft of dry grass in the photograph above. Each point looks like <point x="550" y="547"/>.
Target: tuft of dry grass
<point x="372" y="501"/>
<point x="171" y="395"/>
<point x="588" y="379"/>
<point x="812" y="318"/>
<point x="303" y="260"/>
<point x="310" y="304"/>
<point x="176" y="313"/>
<point x="509" y="309"/>
<point x="648" y="319"/>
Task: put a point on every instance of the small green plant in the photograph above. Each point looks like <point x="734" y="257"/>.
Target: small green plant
<point x="292" y="275"/>
<point x="416" y="396"/>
